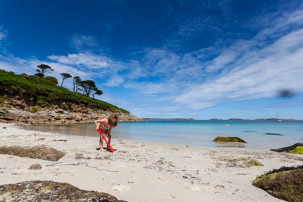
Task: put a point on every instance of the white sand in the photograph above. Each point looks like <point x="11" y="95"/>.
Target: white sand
<point x="142" y="171"/>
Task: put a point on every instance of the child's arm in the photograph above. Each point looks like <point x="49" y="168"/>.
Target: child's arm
<point x="97" y="123"/>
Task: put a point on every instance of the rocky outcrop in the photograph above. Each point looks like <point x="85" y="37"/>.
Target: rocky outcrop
<point x="50" y="191"/>
<point x="228" y="139"/>
<point x="290" y="149"/>
<point x="17" y="111"/>
<point x="37" y="152"/>
<point x="285" y="183"/>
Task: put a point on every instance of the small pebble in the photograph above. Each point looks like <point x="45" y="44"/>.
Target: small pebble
<point x="35" y="167"/>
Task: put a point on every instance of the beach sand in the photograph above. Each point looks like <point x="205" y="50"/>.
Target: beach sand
<point x="142" y="171"/>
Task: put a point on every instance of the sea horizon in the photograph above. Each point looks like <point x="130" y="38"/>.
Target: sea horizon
<point x="221" y="119"/>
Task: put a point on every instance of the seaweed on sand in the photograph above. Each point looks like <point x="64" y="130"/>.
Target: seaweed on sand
<point x="50" y="191"/>
<point x="37" y="152"/>
<point x="285" y="183"/>
<point x="243" y="162"/>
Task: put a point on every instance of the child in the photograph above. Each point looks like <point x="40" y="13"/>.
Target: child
<point x="106" y="126"/>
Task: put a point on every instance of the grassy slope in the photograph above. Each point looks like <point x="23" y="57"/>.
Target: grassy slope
<point x="45" y="92"/>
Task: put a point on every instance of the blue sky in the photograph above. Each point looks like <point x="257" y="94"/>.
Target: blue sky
<point x="191" y="59"/>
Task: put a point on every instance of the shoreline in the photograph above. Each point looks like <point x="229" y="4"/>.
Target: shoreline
<point x="60" y="129"/>
<point x="87" y="130"/>
<point x="141" y="170"/>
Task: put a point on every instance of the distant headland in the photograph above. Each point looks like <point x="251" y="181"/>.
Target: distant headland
<point x="38" y="99"/>
<point x="169" y="119"/>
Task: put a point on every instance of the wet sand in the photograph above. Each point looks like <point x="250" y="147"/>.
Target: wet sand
<point x="142" y="171"/>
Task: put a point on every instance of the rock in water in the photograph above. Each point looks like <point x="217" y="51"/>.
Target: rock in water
<point x="297" y="150"/>
<point x="285" y="183"/>
<point x="228" y="139"/>
<point x="278" y="134"/>
<point x="50" y="191"/>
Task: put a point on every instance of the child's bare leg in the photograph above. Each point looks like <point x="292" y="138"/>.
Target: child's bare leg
<point x="101" y="145"/>
<point x="109" y="137"/>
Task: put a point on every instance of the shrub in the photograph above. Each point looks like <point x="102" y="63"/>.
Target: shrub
<point x="52" y="79"/>
<point x="33" y="110"/>
<point x="42" y="101"/>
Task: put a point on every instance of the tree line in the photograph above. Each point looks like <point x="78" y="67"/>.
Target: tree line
<point x="87" y="87"/>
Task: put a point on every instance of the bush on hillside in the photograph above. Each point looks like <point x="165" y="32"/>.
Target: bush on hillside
<point x="52" y="79"/>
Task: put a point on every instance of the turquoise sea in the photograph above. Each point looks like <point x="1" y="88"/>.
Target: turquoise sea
<point x="257" y="134"/>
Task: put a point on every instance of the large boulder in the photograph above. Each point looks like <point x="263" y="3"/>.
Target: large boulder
<point x="228" y="139"/>
<point x="50" y="191"/>
<point x="285" y="183"/>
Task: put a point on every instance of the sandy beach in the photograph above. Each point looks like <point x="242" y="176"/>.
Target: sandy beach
<point x="142" y="171"/>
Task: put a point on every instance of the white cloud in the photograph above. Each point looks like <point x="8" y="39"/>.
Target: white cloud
<point x="258" y="73"/>
<point x="85" y="65"/>
<point x="135" y="70"/>
<point x="115" y="80"/>
<point x="226" y="57"/>
<point x="29" y="66"/>
<point x="84" y="59"/>
<point x="3" y="34"/>
<point x="156" y="111"/>
<point x="281" y="22"/>
<point x="18" y="65"/>
<point x="150" y="87"/>
<point x="82" y="42"/>
<point x="197" y="25"/>
<point x="257" y="68"/>
<point x="168" y="65"/>
<point x="61" y="68"/>
<point x="115" y="101"/>
<point x="95" y="66"/>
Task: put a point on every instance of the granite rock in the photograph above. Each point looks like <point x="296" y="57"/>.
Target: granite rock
<point x="50" y="191"/>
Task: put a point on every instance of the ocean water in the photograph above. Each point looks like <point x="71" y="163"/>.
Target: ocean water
<point x="257" y="134"/>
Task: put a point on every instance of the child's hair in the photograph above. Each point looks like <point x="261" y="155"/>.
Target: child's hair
<point x="113" y="120"/>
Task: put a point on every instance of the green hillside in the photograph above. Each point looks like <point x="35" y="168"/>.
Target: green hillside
<point x="39" y="91"/>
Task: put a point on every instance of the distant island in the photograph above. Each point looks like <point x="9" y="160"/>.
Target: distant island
<point x="259" y="119"/>
<point x="230" y="119"/>
<point x="275" y="119"/>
